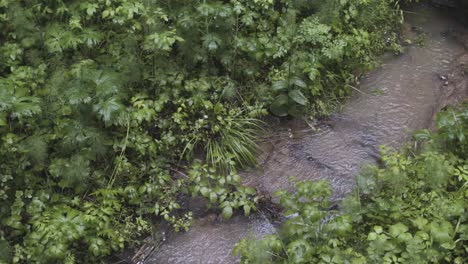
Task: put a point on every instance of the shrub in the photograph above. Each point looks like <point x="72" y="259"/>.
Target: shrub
<point x="410" y="210"/>
<point x="107" y="96"/>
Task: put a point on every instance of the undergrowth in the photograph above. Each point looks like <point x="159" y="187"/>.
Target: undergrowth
<point x="412" y="209"/>
<point x="101" y="100"/>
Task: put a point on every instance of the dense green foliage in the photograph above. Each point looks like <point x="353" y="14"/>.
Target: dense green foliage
<point x="410" y="210"/>
<point x="102" y="101"/>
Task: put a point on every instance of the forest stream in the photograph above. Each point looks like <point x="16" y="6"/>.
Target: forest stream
<point x="398" y="97"/>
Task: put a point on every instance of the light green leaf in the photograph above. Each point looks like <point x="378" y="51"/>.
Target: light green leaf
<point x="247" y="209"/>
<point x="3" y="121"/>
<point x="204" y="191"/>
<point x="279" y="85"/>
<point x="378" y="229"/>
<point x="213" y="197"/>
<point x="397" y="229"/>
<point x="227" y="212"/>
<point x="298" y="97"/>
<point x="300" y="83"/>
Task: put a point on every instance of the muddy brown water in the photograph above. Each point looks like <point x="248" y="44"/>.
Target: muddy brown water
<point x="398" y="97"/>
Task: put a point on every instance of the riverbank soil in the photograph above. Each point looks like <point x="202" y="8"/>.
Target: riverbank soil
<point x="455" y="90"/>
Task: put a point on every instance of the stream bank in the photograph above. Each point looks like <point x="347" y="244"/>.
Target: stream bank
<point x="400" y="96"/>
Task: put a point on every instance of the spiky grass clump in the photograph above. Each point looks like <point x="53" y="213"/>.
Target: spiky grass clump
<point x="235" y="145"/>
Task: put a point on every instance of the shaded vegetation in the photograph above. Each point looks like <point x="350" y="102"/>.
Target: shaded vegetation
<point x="101" y="100"/>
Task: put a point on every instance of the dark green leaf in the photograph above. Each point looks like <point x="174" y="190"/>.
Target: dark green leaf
<point x="279" y="107"/>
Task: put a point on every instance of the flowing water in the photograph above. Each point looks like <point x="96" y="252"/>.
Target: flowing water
<point x="398" y="97"/>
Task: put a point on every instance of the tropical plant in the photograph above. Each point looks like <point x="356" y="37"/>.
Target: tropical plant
<point x="412" y="209"/>
<point x="100" y="100"/>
